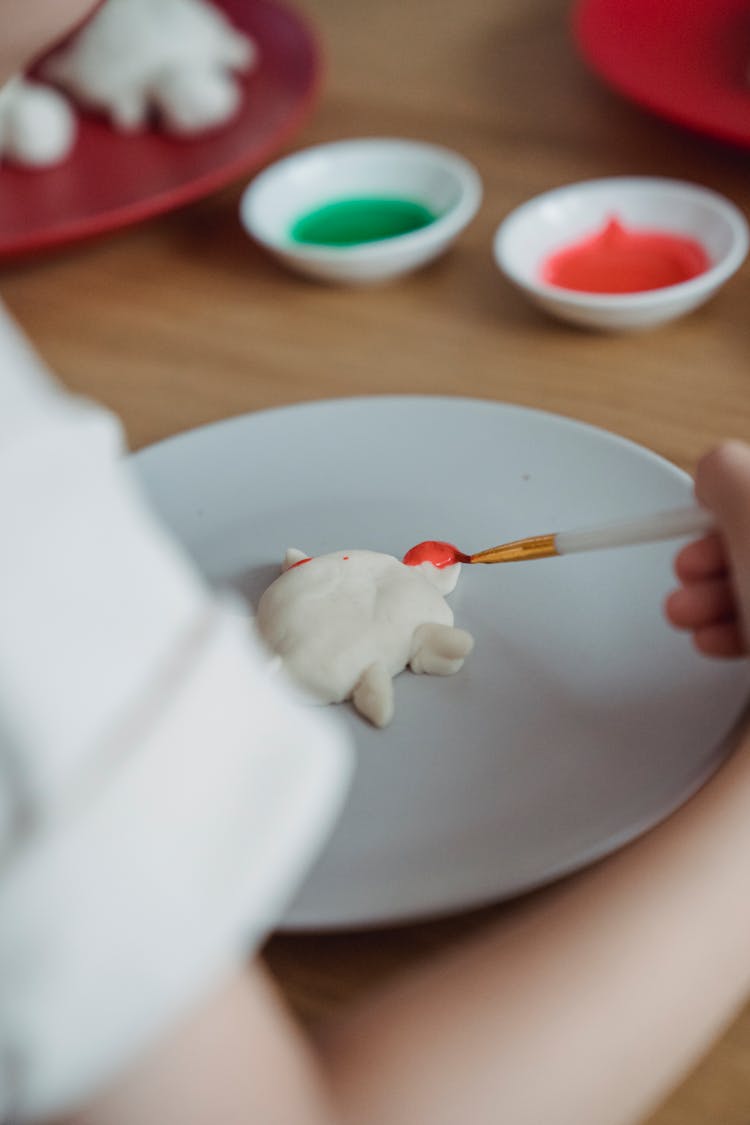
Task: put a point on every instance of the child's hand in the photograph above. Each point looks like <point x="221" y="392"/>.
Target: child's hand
<point x="713" y="601"/>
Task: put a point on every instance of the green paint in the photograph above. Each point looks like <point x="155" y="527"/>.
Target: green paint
<point x="350" y="222"/>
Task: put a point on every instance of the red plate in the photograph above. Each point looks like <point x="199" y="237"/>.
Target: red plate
<point x="112" y="180"/>
<point x="686" y="60"/>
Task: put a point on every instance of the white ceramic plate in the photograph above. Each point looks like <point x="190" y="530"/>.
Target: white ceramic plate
<point x="581" y="718"/>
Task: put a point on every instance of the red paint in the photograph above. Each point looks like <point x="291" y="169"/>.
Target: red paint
<point x="435" y="552"/>
<point x="619" y="259"/>
<point x="300" y="563"/>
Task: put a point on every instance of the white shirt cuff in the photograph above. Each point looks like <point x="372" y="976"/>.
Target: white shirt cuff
<point x="172" y="859"/>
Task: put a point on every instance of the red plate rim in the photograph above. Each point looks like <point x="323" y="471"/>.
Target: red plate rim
<point x="30" y="243"/>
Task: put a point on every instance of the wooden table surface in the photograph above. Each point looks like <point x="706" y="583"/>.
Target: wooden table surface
<point x="181" y="322"/>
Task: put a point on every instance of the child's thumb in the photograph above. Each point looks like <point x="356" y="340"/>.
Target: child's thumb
<point x="722" y="484"/>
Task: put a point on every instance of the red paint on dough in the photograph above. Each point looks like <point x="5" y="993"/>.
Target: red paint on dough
<point x="436" y="552"/>
<point x="300" y="563"/>
<point x="619" y="259"/>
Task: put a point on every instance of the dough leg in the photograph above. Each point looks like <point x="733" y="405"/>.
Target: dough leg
<point x="373" y="695"/>
<point x="439" y="650"/>
<point x="236" y="52"/>
<point x="192" y="99"/>
<point x="128" y="109"/>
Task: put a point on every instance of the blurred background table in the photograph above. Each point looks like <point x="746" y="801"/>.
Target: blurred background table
<point x="181" y="322"/>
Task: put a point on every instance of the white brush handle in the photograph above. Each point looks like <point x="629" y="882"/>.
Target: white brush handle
<point x="649" y="529"/>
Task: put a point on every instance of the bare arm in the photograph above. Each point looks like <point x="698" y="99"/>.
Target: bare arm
<point x="238" y="1060"/>
<point x="32" y="26"/>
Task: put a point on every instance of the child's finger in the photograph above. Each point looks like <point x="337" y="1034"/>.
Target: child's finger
<point x="704" y="558"/>
<point x="722" y="484"/>
<point x="701" y="604"/>
<point x="724" y="639"/>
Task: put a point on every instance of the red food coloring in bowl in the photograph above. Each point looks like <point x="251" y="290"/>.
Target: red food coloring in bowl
<point x="620" y="259"/>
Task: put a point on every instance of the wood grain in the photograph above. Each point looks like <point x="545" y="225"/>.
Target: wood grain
<point x="182" y="321"/>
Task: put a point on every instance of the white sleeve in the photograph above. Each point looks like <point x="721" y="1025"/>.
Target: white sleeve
<point x="161" y="792"/>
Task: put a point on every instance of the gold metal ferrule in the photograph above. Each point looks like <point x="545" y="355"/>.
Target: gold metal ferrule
<point x="535" y="547"/>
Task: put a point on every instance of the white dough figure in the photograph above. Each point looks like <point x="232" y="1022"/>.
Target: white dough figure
<point x="37" y="124"/>
<point x="345" y="624"/>
<point x="178" y="58"/>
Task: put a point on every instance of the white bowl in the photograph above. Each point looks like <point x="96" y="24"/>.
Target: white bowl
<point x="558" y="218"/>
<point x="437" y="178"/>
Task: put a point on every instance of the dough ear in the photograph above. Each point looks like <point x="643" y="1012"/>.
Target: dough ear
<point x="292" y="557"/>
<point x="444" y="578"/>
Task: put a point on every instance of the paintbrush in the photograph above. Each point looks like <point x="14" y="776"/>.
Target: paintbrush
<point x="648" y="529"/>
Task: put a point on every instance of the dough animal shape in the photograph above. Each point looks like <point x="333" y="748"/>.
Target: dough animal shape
<point x="346" y="623"/>
<point x="37" y="124"/>
<point x="178" y="58"/>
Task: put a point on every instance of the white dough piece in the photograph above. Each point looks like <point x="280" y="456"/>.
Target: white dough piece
<point x="37" y="124"/>
<point x="178" y="58"/>
<point x="346" y="623"/>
